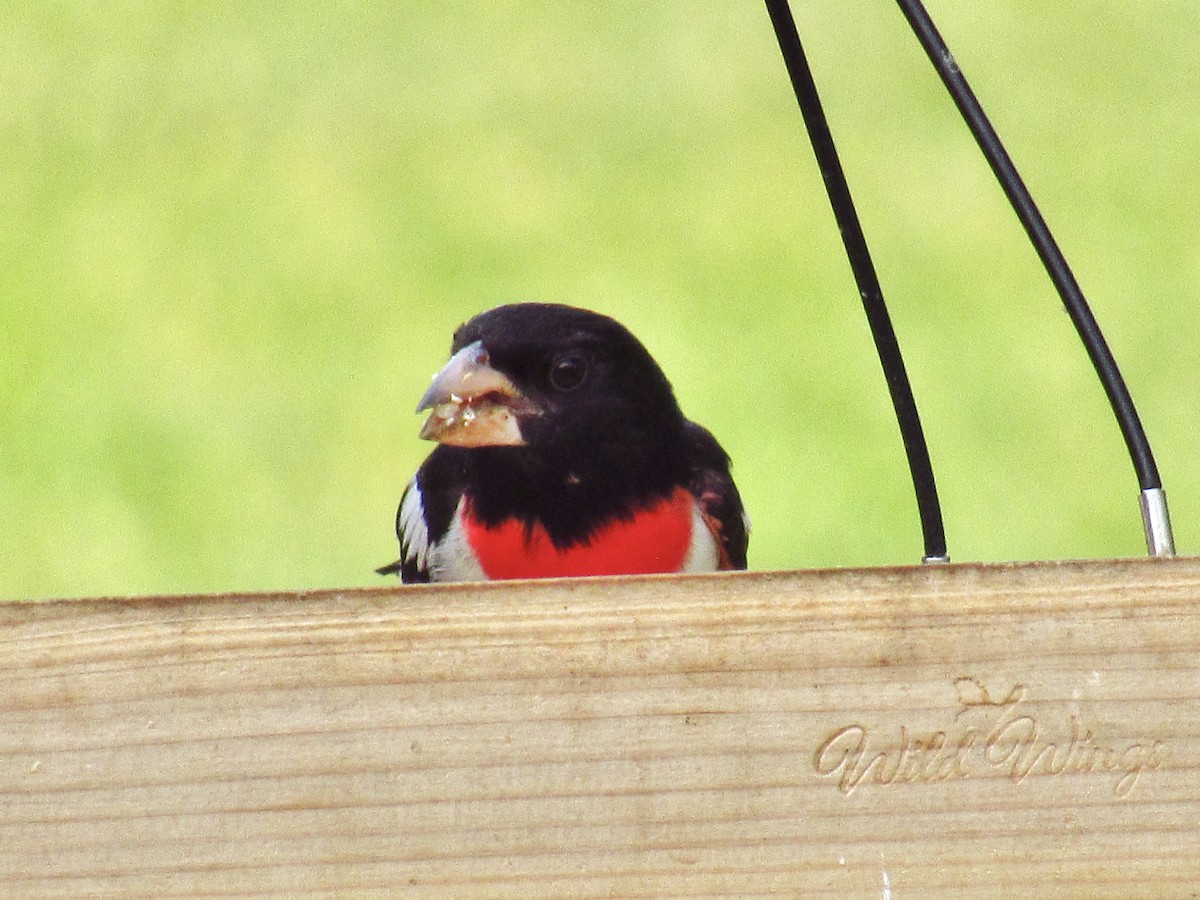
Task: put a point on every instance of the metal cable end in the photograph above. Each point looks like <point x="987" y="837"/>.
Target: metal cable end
<point x="1159" y="540"/>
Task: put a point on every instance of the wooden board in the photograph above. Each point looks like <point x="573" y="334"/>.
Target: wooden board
<point x="987" y="731"/>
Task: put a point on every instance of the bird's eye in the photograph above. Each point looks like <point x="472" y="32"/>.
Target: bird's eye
<point x="569" y="372"/>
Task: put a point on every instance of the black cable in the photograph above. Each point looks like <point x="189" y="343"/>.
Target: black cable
<point x="1043" y="242"/>
<point x="928" y="507"/>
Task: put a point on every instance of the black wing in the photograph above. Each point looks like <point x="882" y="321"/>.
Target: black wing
<point x="426" y="509"/>
<point x="712" y="486"/>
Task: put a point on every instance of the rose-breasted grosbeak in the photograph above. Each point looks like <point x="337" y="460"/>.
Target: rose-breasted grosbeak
<point x="562" y="453"/>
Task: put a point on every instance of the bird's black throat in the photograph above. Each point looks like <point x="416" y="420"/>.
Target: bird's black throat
<point x="572" y="491"/>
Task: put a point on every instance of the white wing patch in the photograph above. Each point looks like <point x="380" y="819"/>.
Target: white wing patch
<point x="414" y="535"/>
<point x="449" y="559"/>
<point x="703" y="554"/>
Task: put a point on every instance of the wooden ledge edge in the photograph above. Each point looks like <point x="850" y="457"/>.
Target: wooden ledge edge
<point x="901" y="577"/>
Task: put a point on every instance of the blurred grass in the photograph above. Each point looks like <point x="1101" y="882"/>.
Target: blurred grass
<point x="237" y="238"/>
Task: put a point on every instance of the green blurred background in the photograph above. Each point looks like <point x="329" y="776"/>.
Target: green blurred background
<point x="237" y="237"/>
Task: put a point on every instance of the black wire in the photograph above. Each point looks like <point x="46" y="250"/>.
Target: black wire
<point x="1043" y="242"/>
<point x="928" y="507"/>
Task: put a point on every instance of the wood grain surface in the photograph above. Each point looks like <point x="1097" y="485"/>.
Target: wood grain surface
<point x="989" y="731"/>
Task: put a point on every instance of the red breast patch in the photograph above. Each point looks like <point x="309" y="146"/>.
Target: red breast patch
<point x="656" y="539"/>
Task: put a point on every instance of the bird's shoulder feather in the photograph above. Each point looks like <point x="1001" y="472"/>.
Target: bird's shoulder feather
<point x="711" y="483"/>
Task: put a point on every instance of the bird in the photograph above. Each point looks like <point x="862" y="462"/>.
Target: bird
<point x="562" y="452"/>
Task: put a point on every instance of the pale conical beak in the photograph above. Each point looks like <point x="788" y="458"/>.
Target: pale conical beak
<point x="473" y="404"/>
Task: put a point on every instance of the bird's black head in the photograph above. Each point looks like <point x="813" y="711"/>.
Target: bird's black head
<point x="567" y="401"/>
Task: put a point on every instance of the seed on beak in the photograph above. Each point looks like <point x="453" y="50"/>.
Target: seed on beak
<point x="472" y="404"/>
